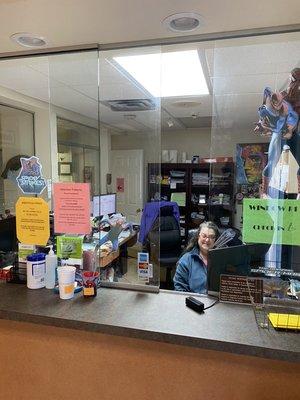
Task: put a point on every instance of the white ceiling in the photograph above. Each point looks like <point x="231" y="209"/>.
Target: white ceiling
<point x="72" y="22"/>
<point x="237" y="70"/>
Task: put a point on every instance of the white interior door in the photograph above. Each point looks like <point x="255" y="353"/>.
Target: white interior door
<point x="127" y="181"/>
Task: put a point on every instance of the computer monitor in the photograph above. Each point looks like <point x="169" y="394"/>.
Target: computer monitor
<point x="234" y="260"/>
<point x="104" y="204"/>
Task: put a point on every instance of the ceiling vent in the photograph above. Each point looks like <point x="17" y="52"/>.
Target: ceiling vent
<point x="130" y="105"/>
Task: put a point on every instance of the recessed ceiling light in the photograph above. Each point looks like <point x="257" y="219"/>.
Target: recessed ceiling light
<point x="28" y="39"/>
<point x="183" y="22"/>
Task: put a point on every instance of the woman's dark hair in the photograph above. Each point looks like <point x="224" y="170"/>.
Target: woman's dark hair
<point x="194" y="240"/>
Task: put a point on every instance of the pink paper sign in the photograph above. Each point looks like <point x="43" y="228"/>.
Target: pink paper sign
<point x="72" y="208"/>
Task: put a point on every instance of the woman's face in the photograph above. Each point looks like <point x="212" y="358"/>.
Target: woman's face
<point x="206" y="239"/>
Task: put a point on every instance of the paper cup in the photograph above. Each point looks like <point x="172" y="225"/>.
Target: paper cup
<point x="66" y="281"/>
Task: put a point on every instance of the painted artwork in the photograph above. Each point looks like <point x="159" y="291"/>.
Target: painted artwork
<point x="251" y="159"/>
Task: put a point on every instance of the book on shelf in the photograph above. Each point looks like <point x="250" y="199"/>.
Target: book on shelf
<point x="177" y="174"/>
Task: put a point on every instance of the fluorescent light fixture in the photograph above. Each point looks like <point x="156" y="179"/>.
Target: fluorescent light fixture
<point x="176" y="73"/>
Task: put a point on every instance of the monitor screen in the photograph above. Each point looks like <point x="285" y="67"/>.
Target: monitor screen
<point x="233" y="260"/>
<point x="104" y="204"/>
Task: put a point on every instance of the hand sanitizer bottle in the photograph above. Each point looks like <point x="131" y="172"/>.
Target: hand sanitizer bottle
<point x="51" y="264"/>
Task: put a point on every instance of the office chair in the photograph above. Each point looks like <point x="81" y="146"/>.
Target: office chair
<point x="164" y="242"/>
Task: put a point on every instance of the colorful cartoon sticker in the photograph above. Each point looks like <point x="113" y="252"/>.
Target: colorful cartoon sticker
<point x="30" y="179"/>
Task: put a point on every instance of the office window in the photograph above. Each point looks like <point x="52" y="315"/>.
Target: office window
<point x="16" y="139"/>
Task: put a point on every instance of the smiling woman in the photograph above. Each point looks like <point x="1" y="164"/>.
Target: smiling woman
<point x="191" y="271"/>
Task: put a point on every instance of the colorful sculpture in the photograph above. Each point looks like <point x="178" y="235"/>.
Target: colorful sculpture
<point x="279" y="116"/>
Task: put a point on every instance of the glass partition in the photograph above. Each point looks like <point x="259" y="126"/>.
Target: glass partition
<point x="130" y="116"/>
<point x="73" y="88"/>
<point x="166" y="137"/>
<point x="17" y="138"/>
<point x="256" y="123"/>
<point x="234" y="150"/>
<point x="78" y="145"/>
<point x="25" y="156"/>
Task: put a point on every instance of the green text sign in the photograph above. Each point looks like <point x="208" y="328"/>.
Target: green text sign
<point x="271" y="221"/>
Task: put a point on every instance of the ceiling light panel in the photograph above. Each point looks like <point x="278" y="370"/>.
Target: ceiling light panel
<point x="167" y="74"/>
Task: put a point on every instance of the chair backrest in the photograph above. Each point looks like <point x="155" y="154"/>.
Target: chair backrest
<point x="165" y="235"/>
<point x="8" y="238"/>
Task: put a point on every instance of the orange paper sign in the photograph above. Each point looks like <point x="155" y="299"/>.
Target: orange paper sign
<point x="72" y="208"/>
<point x="32" y="218"/>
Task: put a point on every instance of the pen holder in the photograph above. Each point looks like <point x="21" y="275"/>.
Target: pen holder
<point x="90" y="280"/>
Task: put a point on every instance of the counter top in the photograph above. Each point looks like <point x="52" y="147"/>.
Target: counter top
<point x="160" y="317"/>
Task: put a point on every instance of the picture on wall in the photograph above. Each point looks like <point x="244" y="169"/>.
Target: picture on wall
<point x="251" y="159"/>
<point x="64" y="168"/>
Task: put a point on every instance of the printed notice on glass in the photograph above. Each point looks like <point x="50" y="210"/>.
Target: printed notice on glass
<point x="271" y="221"/>
<point x="72" y="208"/>
<point x="238" y="289"/>
<point x="32" y="220"/>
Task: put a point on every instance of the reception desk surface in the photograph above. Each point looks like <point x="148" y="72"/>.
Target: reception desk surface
<point x="159" y="317"/>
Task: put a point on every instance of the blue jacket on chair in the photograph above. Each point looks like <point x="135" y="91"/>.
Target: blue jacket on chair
<point x="150" y="213"/>
<point x="191" y="273"/>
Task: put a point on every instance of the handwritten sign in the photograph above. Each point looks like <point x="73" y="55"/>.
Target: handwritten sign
<point x="32" y="220"/>
<point x="72" y="208"/>
<point x="271" y="221"/>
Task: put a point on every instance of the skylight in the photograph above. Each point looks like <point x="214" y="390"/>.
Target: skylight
<point x="167" y="74"/>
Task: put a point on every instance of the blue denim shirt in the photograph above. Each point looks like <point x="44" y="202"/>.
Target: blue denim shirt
<point x="191" y="273"/>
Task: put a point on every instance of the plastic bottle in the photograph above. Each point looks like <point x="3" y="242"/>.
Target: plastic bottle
<point x="51" y="265"/>
<point x="36" y="267"/>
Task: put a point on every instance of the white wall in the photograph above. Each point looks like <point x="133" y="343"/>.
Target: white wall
<point x="202" y="142"/>
<point x="148" y="142"/>
<point x="191" y="141"/>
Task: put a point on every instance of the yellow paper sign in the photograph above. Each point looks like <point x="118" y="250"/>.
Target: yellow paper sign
<point x="32" y="219"/>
